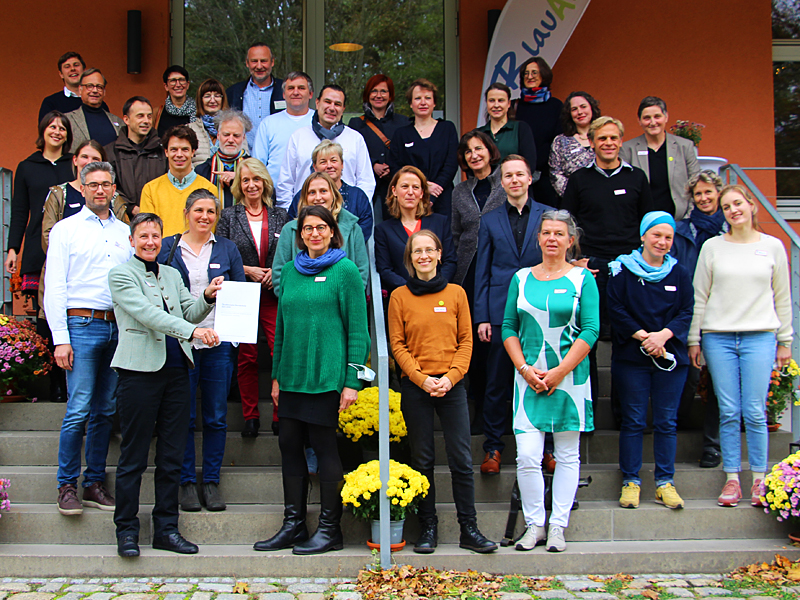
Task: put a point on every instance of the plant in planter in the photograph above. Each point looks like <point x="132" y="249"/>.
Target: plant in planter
<point x="24" y="355"/>
<point x="5" y="503"/>
<point x="359" y="421"/>
<point x="405" y="487"/>
<point x="782" y="391"/>
<point x="688" y="129"/>
<point x="780" y="490"/>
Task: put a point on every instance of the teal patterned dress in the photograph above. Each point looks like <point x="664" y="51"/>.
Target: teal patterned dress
<point x="548" y="317"/>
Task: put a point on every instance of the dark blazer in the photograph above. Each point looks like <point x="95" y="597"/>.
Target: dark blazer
<point x="225" y="260"/>
<point x="233" y="225"/>
<point x="235" y="94"/>
<point x="390" y="245"/>
<point x="204" y="170"/>
<point x="378" y="151"/>
<point x="498" y="259"/>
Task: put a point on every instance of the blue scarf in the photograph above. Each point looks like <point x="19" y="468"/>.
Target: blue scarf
<point x="326" y="134"/>
<point x="535" y="95"/>
<point x="705" y="227"/>
<point x="306" y="265"/>
<point x="636" y="264"/>
<point x="208" y="123"/>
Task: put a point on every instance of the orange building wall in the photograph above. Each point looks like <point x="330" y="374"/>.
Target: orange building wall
<point x="36" y="33"/>
<point x="710" y="61"/>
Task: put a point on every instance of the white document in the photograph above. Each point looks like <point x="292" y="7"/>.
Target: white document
<point x="236" y="318"/>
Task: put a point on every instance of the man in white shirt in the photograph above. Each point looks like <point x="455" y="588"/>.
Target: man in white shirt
<point x="326" y="124"/>
<point x="77" y="301"/>
<point x="275" y="130"/>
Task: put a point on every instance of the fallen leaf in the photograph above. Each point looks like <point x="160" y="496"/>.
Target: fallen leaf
<point x="241" y="587"/>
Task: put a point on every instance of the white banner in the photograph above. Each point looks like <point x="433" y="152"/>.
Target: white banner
<point x="528" y="28"/>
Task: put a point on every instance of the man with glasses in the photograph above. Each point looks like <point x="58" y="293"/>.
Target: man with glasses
<point x="262" y="94"/>
<point x="91" y="121"/>
<point x="136" y="155"/>
<point x="178" y="108"/>
<point x="70" y="69"/>
<point x="83" y="249"/>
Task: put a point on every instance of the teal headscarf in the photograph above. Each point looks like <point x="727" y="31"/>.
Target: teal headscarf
<point x="635" y="262"/>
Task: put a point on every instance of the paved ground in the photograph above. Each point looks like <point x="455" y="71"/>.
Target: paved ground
<point x="641" y="587"/>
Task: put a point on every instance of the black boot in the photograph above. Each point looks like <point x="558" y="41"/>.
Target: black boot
<point x="328" y="535"/>
<point x="428" y="536"/>
<point x="473" y="539"/>
<point x="293" y="531"/>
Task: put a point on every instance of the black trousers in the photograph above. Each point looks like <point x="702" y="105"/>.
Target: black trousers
<point x="151" y="402"/>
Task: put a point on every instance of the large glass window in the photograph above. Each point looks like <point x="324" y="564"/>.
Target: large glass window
<point x="786" y="69"/>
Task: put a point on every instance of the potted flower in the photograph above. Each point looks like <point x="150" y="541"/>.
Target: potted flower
<point x="359" y="421"/>
<point x="24" y="356"/>
<point x="780" y="490"/>
<point x="404" y="489"/>
<point x="5" y="503"/>
<point x="782" y="391"/>
<point x="688" y="129"/>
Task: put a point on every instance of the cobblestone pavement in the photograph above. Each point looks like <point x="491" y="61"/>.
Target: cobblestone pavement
<point x="566" y="587"/>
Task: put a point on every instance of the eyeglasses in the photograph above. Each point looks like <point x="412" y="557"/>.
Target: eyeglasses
<point x="212" y="96"/>
<point x="94" y="86"/>
<point x="532" y="73"/>
<point x="106" y="185"/>
<point x="426" y="251"/>
<point x="475" y="149"/>
<point x="379" y="93"/>
<point x="309" y="229"/>
<point x="177" y="81"/>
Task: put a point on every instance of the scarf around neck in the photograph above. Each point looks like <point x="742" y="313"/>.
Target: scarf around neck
<point x="306" y="265"/>
<point x="704" y="226"/>
<point x="189" y="109"/>
<point x="208" y="123"/>
<point x="370" y="113"/>
<point x="418" y="287"/>
<point x="535" y="95"/>
<point x="326" y="134"/>
<point x="636" y="264"/>
<point x="220" y="163"/>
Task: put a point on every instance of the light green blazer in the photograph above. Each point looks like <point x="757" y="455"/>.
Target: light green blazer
<point x="143" y="323"/>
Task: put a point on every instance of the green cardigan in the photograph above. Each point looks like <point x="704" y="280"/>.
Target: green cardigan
<point x="321" y="326"/>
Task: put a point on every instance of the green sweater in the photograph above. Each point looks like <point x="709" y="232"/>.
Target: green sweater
<point x="321" y="326"/>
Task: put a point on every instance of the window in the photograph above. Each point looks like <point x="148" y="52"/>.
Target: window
<point x="786" y="69"/>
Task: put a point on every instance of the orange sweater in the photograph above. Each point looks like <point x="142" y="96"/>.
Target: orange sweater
<point x="431" y="335"/>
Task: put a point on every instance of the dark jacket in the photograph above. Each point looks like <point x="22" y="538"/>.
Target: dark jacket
<point x="390" y="245"/>
<point x="32" y="182"/>
<point x="355" y="201"/>
<point x="467" y="219"/>
<point x="136" y="164"/>
<point x="378" y="151"/>
<point x="61" y="103"/>
<point x="204" y="170"/>
<point x="235" y="94"/>
<point x="233" y="225"/>
<point x="498" y="259"/>
<point x="685" y="247"/>
<point x="225" y="260"/>
<point x="544" y="119"/>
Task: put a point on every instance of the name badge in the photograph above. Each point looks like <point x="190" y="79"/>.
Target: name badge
<point x="74" y="205"/>
<point x="213" y="266"/>
<point x="642" y="152"/>
<point x="574" y="150"/>
<point x="670" y="288"/>
<point x="760" y="253"/>
<point x="619" y="192"/>
<point x="316" y="279"/>
<point x="149" y="284"/>
<point x="280" y="104"/>
<point x="439" y="309"/>
<point x="559" y="291"/>
<point x="409" y="144"/>
<point x="277" y="235"/>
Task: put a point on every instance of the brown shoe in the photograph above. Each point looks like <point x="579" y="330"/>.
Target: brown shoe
<point x="548" y="463"/>
<point x="97" y="496"/>
<point x="491" y="464"/>
<point x="68" y="503"/>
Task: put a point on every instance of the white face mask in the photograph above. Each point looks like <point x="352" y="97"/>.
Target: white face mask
<point x="658" y="360"/>
<point x="364" y="372"/>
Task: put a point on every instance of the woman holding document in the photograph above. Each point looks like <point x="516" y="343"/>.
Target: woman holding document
<point x="200" y="257"/>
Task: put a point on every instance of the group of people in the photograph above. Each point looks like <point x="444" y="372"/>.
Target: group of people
<point x="497" y="287"/>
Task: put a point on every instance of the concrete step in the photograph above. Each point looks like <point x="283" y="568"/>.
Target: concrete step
<point x="605" y="558"/>
<point x="602" y="447"/>
<point x="263" y="485"/>
<point x="245" y="524"/>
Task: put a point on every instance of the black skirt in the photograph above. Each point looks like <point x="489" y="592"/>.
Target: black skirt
<point x="317" y="409"/>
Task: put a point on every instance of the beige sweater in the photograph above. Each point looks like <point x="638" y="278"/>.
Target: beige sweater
<point x="742" y="287"/>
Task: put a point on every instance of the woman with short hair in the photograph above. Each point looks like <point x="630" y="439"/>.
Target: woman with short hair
<point x="571" y="150"/>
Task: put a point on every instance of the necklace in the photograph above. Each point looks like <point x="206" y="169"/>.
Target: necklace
<point x="549" y="275"/>
<point x="258" y="214"/>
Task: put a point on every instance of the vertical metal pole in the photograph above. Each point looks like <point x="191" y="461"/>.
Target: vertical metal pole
<point x="795" y="282"/>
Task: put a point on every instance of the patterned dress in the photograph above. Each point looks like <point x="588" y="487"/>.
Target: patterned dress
<point x="548" y="317"/>
<point x="567" y="156"/>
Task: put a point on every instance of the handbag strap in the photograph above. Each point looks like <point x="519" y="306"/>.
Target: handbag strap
<point x="176" y="239"/>
<point x="386" y="141"/>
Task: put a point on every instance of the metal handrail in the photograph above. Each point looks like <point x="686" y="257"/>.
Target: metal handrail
<point x="734" y="174"/>
<point x="380" y="364"/>
<point x="5" y="223"/>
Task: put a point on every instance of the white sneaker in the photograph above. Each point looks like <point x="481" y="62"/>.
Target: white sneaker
<point x="533" y="536"/>
<point x="555" y="539"/>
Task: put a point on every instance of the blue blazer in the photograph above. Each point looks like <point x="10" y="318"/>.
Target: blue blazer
<point x="390" y="245"/>
<point x="225" y="260"/>
<point x="235" y="94"/>
<point x="498" y="259"/>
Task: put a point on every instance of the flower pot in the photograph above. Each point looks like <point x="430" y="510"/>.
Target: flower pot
<point x="13" y="398"/>
<point x="773" y="427"/>
<point x="395" y="534"/>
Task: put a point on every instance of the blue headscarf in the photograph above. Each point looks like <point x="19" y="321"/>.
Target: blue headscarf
<point x="635" y="262"/>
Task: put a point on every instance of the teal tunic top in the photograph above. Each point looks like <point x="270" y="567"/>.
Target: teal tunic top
<point x="548" y="317"/>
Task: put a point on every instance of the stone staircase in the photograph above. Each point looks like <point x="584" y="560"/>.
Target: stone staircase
<point x="35" y="540"/>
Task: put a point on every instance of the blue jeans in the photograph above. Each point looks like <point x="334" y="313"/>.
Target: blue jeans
<point x="639" y="386"/>
<point x="740" y="365"/>
<point x="213" y="369"/>
<point x="90" y="395"/>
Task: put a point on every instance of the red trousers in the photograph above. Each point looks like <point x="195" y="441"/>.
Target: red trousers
<point x="248" y="358"/>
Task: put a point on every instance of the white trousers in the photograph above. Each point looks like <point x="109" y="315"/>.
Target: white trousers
<point x="530" y="447"/>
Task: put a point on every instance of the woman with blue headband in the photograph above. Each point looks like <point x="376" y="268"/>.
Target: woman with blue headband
<point x="650" y="302"/>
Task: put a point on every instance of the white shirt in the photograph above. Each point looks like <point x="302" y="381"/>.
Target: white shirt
<point x="273" y="136"/>
<point x="82" y="250"/>
<point x="197" y="266"/>
<point x="296" y="166"/>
